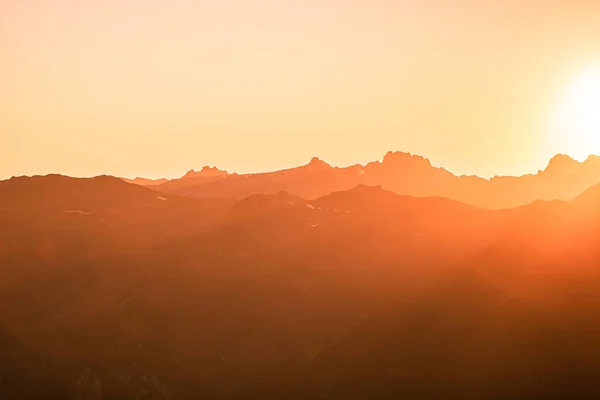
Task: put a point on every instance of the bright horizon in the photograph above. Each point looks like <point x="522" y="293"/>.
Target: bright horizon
<point x="153" y="89"/>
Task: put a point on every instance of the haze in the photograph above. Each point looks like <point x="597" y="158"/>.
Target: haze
<point x="153" y="88"/>
<point x="299" y="200"/>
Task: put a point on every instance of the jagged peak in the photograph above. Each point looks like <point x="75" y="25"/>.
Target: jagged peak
<point x="207" y="168"/>
<point x="562" y="163"/>
<point x="317" y="162"/>
<point x="400" y="157"/>
<point x="206" y="171"/>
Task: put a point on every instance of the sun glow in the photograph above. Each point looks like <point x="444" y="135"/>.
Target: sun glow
<point x="578" y="116"/>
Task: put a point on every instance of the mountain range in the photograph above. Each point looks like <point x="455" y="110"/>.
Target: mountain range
<point x="564" y="178"/>
<point x="111" y="290"/>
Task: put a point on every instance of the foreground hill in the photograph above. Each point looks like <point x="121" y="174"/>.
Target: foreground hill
<point x="361" y="292"/>
<point x="54" y="208"/>
<point x="402" y="173"/>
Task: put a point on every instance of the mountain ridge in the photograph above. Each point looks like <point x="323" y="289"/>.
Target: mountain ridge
<point x="564" y="178"/>
<point x="207" y="170"/>
<point x="403" y="173"/>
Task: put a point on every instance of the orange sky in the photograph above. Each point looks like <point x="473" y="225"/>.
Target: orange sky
<point x="154" y="88"/>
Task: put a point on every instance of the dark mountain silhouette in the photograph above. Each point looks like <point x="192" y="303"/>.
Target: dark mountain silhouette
<point x="82" y="211"/>
<point x="403" y="173"/>
<point x="464" y="334"/>
<point x="360" y="292"/>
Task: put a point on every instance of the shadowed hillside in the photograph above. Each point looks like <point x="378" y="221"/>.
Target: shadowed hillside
<point x="361" y="292"/>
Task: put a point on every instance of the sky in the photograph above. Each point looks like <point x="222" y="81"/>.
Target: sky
<point x="154" y="88"/>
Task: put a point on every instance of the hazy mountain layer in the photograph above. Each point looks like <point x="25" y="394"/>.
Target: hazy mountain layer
<point x="402" y="173"/>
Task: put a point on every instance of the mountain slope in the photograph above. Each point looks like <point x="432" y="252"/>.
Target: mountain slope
<point x="467" y="337"/>
<point x="49" y="209"/>
<point x="361" y="292"/>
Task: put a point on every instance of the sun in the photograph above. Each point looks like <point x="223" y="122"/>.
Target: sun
<point x="578" y="116"/>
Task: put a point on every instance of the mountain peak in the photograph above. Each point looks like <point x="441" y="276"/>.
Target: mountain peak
<point x="205" y="172"/>
<point x="562" y="163"/>
<point x="316" y="162"/>
<point x="399" y="158"/>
